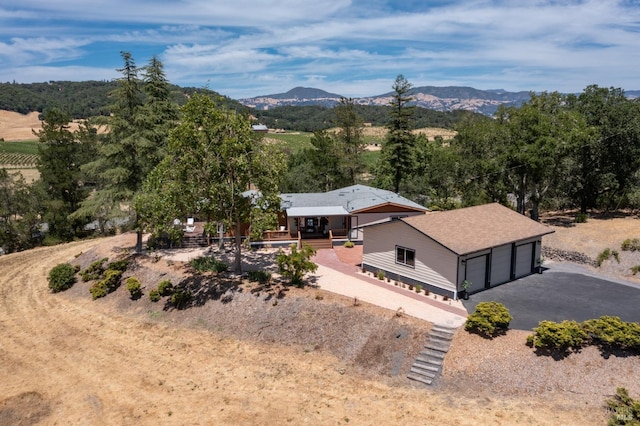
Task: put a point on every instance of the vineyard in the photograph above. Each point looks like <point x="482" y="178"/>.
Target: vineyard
<point x="18" y="159"/>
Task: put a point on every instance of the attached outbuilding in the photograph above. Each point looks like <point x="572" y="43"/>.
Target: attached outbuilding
<point x="485" y="245"/>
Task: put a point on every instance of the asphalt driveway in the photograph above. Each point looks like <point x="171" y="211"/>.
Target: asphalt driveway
<point x="562" y="293"/>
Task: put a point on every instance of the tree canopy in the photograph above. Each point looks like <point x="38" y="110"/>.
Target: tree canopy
<point x="217" y="168"/>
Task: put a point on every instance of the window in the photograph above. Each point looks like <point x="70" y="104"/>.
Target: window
<point x="406" y="256"/>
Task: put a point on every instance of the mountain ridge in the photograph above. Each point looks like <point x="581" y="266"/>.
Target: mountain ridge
<point x="446" y="98"/>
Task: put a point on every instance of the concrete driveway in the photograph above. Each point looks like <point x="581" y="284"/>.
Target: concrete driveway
<point x="562" y="292"/>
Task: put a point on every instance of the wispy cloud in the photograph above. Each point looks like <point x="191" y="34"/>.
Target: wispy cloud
<point x="356" y="48"/>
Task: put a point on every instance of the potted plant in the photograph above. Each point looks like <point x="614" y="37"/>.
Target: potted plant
<point x="465" y="289"/>
<point x="539" y="262"/>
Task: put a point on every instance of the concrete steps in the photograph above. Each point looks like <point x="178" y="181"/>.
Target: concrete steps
<point x="428" y="364"/>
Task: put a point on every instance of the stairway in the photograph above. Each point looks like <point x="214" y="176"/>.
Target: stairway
<point x="318" y="243"/>
<point x="428" y="365"/>
<point x="193" y="241"/>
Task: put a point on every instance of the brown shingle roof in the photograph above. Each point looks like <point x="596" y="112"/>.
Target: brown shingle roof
<point x="477" y="228"/>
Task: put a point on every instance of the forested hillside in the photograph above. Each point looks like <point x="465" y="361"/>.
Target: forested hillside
<point x="312" y="118"/>
<point x="93" y="98"/>
<point x="82" y="99"/>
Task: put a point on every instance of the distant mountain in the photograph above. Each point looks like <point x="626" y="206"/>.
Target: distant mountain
<point x="298" y="96"/>
<point x="431" y="97"/>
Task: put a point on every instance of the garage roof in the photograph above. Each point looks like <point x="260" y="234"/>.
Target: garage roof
<point x="472" y="229"/>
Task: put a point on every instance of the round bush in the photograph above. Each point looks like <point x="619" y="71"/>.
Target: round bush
<point x="554" y="336"/>
<point x="489" y="319"/>
<point x="134" y="287"/>
<point x="62" y="277"/>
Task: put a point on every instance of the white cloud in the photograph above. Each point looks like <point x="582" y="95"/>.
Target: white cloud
<point x="354" y="48"/>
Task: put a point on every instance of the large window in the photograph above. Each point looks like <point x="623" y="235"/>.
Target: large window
<point x="406" y="256"/>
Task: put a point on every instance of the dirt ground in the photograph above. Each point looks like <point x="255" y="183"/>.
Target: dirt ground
<point x="238" y="357"/>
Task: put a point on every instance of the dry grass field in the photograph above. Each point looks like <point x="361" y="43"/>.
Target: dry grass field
<point x="69" y="360"/>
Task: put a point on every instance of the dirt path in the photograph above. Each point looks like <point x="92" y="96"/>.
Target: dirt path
<point x="69" y="361"/>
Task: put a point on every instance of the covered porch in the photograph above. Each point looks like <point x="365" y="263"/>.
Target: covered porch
<point x="315" y="225"/>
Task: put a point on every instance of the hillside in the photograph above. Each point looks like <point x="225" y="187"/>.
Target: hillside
<point x="80" y="99"/>
<point x="430" y="97"/>
<point x="237" y="357"/>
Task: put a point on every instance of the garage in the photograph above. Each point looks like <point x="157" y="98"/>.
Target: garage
<point x="524" y="260"/>
<point x="476" y="273"/>
<point x="486" y="245"/>
<point x="501" y="264"/>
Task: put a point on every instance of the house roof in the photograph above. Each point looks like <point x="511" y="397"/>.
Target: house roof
<point x="316" y="211"/>
<point x="472" y="229"/>
<point x="353" y="199"/>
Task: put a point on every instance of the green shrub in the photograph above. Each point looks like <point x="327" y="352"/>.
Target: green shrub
<point x="112" y="279"/>
<point x="206" y="263"/>
<point x="119" y="265"/>
<point x="380" y="274"/>
<point x="181" y="298"/>
<point x="635" y="269"/>
<point x="134" y="287"/>
<point x="261" y="277"/>
<point x="294" y="265"/>
<point x="581" y="218"/>
<point x="98" y="289"/>
<point x="624" y="409"/>
<point x="165" y="288"/>
<point x="612" y="332"/>
<point x="553" y="336"/>
<point x="606" y="254"/>
<point x="489" y="319"/>
<point x="154" y="295"/>
<point x="94" y="271"/>
<point x="349" y="244"/>
<point x="630" y="244"/>
<point x="418" y="288"/>
<point x="62" y="277"/>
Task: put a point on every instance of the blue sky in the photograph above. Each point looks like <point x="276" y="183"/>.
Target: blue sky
<point x="245" y="48"/>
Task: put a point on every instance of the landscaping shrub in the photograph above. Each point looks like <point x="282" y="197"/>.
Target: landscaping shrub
<point x="630" y="244"/>
<point x="165" y="288"/>
<point x="154" y="295"/>
<point x="119" y="265"/>
<point x="606" y="255"/>
<point x="380" y="274"/>
<point x="206" y="263"/>
<point x="635" y="269"/>
<point x="134" y="287"/>
<point x="418" y="288"/>
<point x="62" y="277"/>
<point x="613" y="333"/>
<point x="94" y="271"/>
<point x="98" y="289"/>
<point x="261" y="277"/>
<point x="581" y="218"/>
<point x="349" y="244"/>
<point x="181" y="298"/>
<point x="624" y="409"/>
<point x="489" y="319"/>
<point x="562" y="337"/>
<point x="112" y="279"/>
<point x="294" y="265"/>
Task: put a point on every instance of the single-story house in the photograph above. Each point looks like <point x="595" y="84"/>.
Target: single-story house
<point x="324" y="217"/>
<point x="484" y="245"/>
<point x="341" y="212"/>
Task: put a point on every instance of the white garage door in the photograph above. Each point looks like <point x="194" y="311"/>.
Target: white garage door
<point x="501" y="264"/>
<point x="524" y="259"/>
<point x="476" y="273"/>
